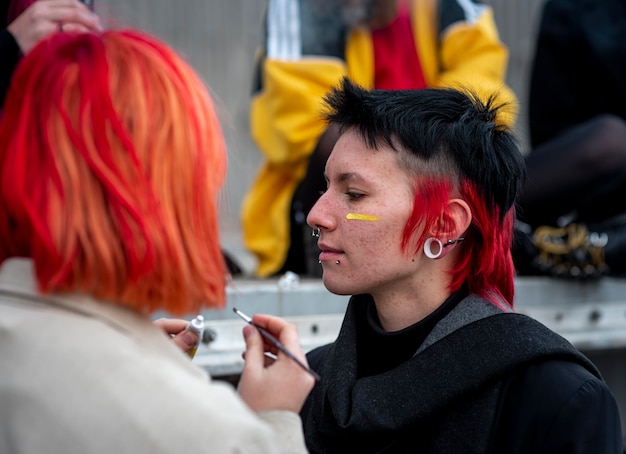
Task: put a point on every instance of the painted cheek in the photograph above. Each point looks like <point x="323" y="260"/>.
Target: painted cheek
<point x="361" y="217"/>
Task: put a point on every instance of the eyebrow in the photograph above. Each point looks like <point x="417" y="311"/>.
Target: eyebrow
<point x="346" y="176"/>
<point x="349" y="176"/>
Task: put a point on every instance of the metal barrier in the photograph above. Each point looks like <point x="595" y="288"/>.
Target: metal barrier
<point x="591" y="315"/>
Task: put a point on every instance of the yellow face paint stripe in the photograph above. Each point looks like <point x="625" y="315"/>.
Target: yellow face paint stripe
<point x="361" y="217"/>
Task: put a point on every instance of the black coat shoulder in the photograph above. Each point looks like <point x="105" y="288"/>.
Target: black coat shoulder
<point x="539" y="411"/>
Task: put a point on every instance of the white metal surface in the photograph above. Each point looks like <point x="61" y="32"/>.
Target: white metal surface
<point x="591" y="315"/>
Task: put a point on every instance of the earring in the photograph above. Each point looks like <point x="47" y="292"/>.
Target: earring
<point x="451" y="242"/>
<point x="315" y="233"/>
<point x="428" y="250"/>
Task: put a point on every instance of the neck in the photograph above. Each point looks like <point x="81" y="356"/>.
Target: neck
<point x="403" y="305"/>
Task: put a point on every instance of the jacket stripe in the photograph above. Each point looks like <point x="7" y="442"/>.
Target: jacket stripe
<point x="283" y="30"/>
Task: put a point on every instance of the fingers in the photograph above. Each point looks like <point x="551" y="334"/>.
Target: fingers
<point x="72" y="27"/>
<point x="285" y="332"/>
<point x="254" y="354"/>
<point x="186" y="340"/>
<point x="70" y="13"/>
<point x="171" y="326"/>
<point x="175" y="328"/>
<point x="45" y="17"/>
<point x="273" y="384"/>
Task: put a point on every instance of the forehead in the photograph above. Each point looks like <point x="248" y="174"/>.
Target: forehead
<point x="352" y="158"/>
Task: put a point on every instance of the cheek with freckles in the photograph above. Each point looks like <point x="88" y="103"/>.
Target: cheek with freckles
<point x="373" y="257"/>
<point x="363" y="232"/>
<point x="372" y="241"/>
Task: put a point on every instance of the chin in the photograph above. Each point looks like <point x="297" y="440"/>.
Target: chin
<point x="337" y="287"/>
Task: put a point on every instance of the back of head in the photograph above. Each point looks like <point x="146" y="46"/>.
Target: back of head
<point x="111" y="159"/>
<point x="453" y="146"/>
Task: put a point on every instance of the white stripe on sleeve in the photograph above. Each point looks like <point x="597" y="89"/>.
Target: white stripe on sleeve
<point x="283" y="30"/>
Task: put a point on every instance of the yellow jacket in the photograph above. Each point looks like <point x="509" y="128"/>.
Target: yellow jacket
<point x="460" y="48"/>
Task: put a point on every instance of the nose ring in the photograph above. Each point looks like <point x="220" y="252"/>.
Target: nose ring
<point x="315" y="233"/>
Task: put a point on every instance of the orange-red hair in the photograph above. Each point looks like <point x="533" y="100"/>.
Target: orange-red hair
<point x="111" y="160"/>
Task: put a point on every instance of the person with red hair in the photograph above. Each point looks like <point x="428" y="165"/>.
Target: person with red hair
<point x="111" y="160"/>
<point x="416" y="224"/>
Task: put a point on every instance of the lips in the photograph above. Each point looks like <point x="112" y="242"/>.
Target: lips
<point x="328" y="253"/>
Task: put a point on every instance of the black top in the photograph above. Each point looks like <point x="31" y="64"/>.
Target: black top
<point x="9" y="57"/>
<point x="380" y="350"/>
<point x="4" y="8"/>
<point x="579" y="67"/>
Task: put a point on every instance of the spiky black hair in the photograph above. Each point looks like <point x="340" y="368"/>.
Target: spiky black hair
<point x="437" y="121"/>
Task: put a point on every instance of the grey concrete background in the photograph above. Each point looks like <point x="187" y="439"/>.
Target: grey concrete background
<point x="219" y="38"/>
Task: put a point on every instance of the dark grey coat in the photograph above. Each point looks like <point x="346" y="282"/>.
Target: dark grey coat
<point x="482" y="381"/>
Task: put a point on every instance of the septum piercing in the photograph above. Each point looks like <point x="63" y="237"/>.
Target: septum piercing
<point x="315" y="233"/>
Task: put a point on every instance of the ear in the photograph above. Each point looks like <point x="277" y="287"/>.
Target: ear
<point x="454" y="223"/>
<point x="460" y="218"/>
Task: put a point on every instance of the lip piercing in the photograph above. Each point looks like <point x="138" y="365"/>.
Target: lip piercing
<point x="315" y="233"/>
<point x="337" y="262"/>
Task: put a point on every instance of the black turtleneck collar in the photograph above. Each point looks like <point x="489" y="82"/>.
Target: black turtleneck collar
<point x="379" y="351"/>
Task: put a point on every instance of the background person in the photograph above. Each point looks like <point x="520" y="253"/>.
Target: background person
<point x="577" y="163"/>
<point x="309" y="46"/>
<point x="416" y="223"/>
<point x="111" y="159"/>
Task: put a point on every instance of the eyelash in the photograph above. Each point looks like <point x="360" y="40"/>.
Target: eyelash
<point x="351" y="195"/>
<point x="354" y="195"/>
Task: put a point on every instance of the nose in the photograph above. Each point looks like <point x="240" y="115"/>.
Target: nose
<point x="318" y="217"/>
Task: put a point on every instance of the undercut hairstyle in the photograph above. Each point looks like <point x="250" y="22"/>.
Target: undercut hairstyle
<point x="111" y="161"/>
<point x="452" y="144"/>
